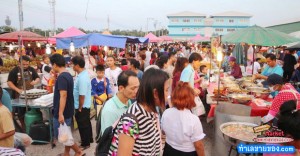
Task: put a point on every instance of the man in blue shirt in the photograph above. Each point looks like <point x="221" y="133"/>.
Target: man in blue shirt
<point x="188" y="72"/>
<point x="6" y="100"/>
<point x="63" y="100"/>
<point x="272" y="68"/>
<point x="82" y="101"/>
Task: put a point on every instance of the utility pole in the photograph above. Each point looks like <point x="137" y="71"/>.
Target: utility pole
<point x="155" y="24"/>
<point x="147" y="24"/>
<point x="107" y="22"/>
<point x="20" y="14"/>
<point x="160" y="29"/>
<point x="52" y="16"/>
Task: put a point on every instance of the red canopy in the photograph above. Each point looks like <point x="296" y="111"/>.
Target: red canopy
<point x="200" y="38"/>
<point x="72" y="31"/>
<point x="153" y="38"/>
<point x="25" y="35"/>
<point x="166" y="38"/>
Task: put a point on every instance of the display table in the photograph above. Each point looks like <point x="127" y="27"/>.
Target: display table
<point x="21" y="103"/>
<point x="255" y="110"/>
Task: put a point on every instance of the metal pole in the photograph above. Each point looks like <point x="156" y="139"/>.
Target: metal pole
<point x="219" y="83"/>
<point x="253" y="60"/>
<point x="22" y="71"/>
<point x="147" y="27"/>
<point x="20" y="14"/>
<point x="220" y="44"/>
<point x="210" y="62"/>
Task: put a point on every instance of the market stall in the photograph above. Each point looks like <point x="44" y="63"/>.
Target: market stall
<point x="199" y="38"/>
<point x="33" y="117"/>
<point x="98" y="39"/>
<point x="153" y="38"/>
<point x="233" y="94"/>
<point x="166" y="38"/>
<point x="70" y="32"/>
<point x="26" y="36"/>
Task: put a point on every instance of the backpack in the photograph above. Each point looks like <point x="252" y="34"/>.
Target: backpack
<point x="104" y="142"/>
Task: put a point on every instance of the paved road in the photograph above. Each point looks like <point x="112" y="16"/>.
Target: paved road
<point x="45" y="150"/>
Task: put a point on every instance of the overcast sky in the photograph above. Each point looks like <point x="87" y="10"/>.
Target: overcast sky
<point x="133" y="14"/>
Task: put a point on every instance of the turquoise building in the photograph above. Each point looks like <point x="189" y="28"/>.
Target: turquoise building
<point x="185" y="25"/>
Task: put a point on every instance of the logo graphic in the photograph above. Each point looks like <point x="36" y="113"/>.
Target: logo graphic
<point x="270" y="134"/>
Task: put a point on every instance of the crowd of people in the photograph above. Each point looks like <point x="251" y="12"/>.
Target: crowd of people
<point x="156" y="85"/>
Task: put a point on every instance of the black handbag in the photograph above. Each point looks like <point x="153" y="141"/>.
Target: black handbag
<point x="102" y="148"/>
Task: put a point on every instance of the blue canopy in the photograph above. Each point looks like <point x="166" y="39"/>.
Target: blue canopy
<point x="133" y="39"/>
<point x="98" y="39"/>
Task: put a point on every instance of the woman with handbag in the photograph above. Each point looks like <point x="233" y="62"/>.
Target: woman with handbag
<point x="141" y="134"/>
<point x="184" y="132"/>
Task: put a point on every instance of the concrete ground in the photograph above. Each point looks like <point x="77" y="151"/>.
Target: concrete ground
<point x="45" y="150"/>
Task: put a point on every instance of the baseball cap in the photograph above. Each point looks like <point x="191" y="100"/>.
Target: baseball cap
<point x="232" y="59"/>
<point x="273" y="79"/>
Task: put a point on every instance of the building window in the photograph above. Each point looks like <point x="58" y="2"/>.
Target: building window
<point x="197" y="20"/>
<point x="231" y="21"/>
<point x="185" y="29"/>
<point x="230" y="30"/>
<point x="175" y="20"/>
<point x="197" y="29"/>
<point x="243" y="20"/>
<point x="220" y="20"/>
<point x="186" y="20"/>
<point x="219" y="30"/>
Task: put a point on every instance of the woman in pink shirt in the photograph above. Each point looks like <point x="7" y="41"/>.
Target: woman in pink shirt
<point x="289" y="123"/>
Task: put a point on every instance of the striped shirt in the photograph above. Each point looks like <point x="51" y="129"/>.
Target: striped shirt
<point x="145" y="133"/>
<point x="10" y="152"/>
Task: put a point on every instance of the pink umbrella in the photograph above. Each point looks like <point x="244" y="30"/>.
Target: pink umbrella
<point x="200" y="38"/>
<point x="72" y="31"/>
<point x="166" y="38"/>
<point x="153" y="38"/>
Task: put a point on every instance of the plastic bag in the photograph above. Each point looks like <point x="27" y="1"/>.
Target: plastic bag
<point x="23" y="138"/>
<point x="199" y="109"/>
<point x="65" y="135"/>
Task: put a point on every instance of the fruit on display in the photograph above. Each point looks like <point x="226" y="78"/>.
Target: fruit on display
<point x="8" y="65"/>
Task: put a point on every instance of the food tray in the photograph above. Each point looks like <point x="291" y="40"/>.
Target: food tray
<point x="241" y="131"/>
<point x="261" y="102"/>
<point x="33" y="93"/>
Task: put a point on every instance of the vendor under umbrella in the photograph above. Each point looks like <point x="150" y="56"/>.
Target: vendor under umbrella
<point x="15" y="83"/>
<point x="286" y="92"/>
<point x="271" y="68"/>
<point x="236" y="71"/>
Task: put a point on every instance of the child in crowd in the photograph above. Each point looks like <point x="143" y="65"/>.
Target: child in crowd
<point x="46" y="68"/>
<point x="100" y="87"/>
<point x="7" y="129"/>
<point x="124" y="65"/>
<point x="203" y="72"/>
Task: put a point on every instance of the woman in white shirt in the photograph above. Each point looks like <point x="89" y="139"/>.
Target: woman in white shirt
<point x="184" y="132"/>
